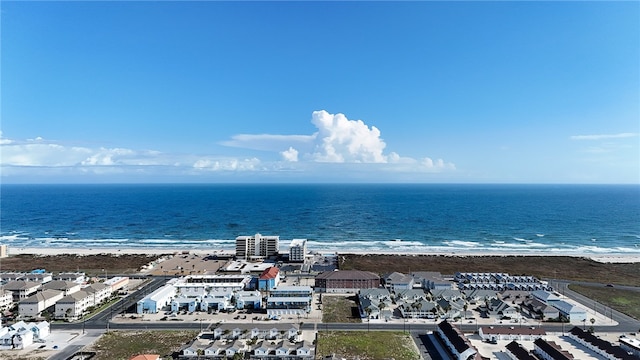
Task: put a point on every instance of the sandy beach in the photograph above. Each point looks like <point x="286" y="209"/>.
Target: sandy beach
<point x="50" y="251"/>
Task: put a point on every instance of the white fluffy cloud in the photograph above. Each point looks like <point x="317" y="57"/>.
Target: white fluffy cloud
<point x="338" y="140"/>
<point x="342" y="140"/>
<point x="290" y="154"/>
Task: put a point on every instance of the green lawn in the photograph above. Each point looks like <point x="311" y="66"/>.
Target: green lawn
<point x="625" y="301"/>
<point x="116" y="345"/>
<point x="366" y="345"/>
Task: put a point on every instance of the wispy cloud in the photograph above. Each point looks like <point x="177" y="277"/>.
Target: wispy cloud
<point x="603" y="136"/>
<point x="341" y="146"/>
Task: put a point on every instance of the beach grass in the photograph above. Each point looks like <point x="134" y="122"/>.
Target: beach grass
<point x="93" y="264"/>
<point x="339" y="309"/>
<point x="625" y="301"/>
<point x="366" y="345"/>
<point x="116" y="345"/>
<point x="542" y="267"/>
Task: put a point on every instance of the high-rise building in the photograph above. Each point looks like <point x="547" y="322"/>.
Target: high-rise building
<point x="257" y="246"/>
<point x="297" y="250"/>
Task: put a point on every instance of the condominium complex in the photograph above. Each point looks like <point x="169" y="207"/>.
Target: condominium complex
<point x="297" y="250"/>
<point x="257" y="246"/>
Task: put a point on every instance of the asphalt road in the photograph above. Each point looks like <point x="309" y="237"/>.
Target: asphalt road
<point x="101" y="322"/>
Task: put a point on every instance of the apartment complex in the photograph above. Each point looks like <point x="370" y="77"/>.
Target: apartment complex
<point x="257" y="246"/>
<point x="297" y="250"/>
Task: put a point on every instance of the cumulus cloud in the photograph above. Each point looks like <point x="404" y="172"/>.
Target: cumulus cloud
<point x="337" y="140"/>
<point x="603" y="136"/>
<point x="290" y="154"/>
<point x="342" y="140"/>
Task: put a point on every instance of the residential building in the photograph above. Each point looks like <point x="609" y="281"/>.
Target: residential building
<point x="457" y="344"/>
<point x="375" y="303"/>
<point x="146" y="357"/>
<point x="548" y="350"/>
<point x="157" y="300"/>
<point x="574" y="313"/>
<point x="100" y="292"/>
<point x="217" y="300"/>
<point x="248" y="299"/>
<point x="200" y="284"/>
<point x="539" y="310"/>
<point x="631" y="345"/>
<point x="76" y="277"/>
<point x="297" y="250"/>
<point x="67" y="287"/>
<point x="21" y="289"/>
<point x="346" y="281"/>
<point x="118" y="283"/>
<point x="22" y="334"/>
<point x="494" y="333"/>
<point x="269" y="279"/>
<point x="515" y="351"/>
<point x="398" y="281"/>
<point x="599" y="346"/>
<point x="431" y="280"/>
<point x="423" y="309"/>
<point x="73" y="306"/>
<point x="6" y="299"/>
<point x="257" y="246"/>
<point x="289" y="300"/>
<point x="35" y="304"/>
<point x="4" y="252"/>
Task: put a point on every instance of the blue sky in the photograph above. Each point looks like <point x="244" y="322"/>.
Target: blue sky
<point x="474" y="92"/>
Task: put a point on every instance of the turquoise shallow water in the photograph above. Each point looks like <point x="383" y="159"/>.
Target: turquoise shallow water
<point x="404" y="218"/>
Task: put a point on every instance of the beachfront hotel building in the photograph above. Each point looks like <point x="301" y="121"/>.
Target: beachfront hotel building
<point x="297" y="250"/>
<point x="257" y="246"/>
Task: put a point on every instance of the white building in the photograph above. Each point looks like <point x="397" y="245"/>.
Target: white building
<point x="73" y="306"/>
<point x="157" y="300"/>
<point x="117" y="283"/>
<point x="21" y="289"/>
<point x="257" y="246"/>
<point x="297" y="250"/>
<point x="35" y="304"/>
<point x="6" y="299"/>
<point x="100" y="292"/>
<point x="200" y="284"/>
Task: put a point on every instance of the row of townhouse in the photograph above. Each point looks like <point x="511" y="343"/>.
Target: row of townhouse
<point x="64" y="296"/>
<point x="458" y="346"/>
<point x="217" y="300"/>
<point x="74" y="306"/>
<point x="499" y="281"/>
<point x="22" y="334"/>
<point x="258" y="342"/>
<point x="600" y="346"/>
<point x="221" y="349"/>
<point x="225" y="293"/>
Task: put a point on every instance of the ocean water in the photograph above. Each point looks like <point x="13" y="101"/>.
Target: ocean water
<point x="560" y="219"/>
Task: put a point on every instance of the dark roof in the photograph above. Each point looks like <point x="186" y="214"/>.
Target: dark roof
<point x="603" y="345"/>
<point x="458" y="340"/>
<point x="519" y="352"/>
<point x="348" y="275"/>
<point x="553" y="350"/>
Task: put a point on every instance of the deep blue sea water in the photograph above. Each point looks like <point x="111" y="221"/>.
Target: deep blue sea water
<point x="405" y="218"/>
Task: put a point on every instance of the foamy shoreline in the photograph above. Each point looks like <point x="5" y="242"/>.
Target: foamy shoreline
<point x="45" y="251"/>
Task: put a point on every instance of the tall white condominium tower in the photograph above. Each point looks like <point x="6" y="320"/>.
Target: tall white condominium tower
<point x="256" y="246"/>
<point x="297" y="250"/>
